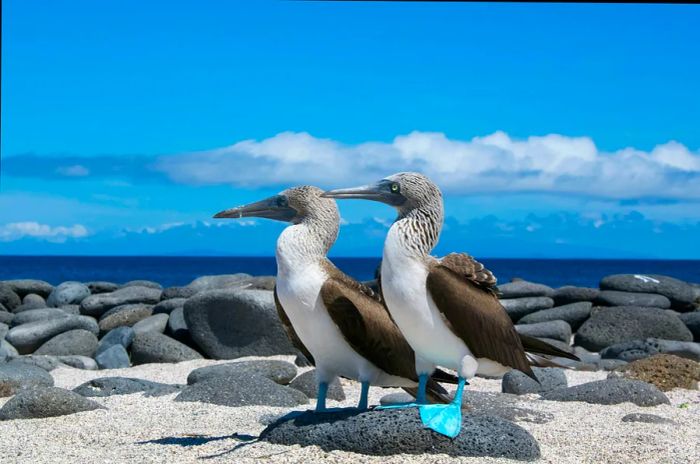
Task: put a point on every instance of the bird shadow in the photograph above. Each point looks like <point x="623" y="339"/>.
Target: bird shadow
<point x="196" y="440"/>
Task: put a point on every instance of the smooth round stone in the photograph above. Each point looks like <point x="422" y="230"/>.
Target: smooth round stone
<point x="4" y="328"/>
<point x="40" y="402"/>
<point x="45" y="362"/>
<point x="74" y="342"/>
<point x="400" y="431"/>
<point x="124" y="315"/>
<point x="8" y="298"/>
<point x="557" y="330"/>
<point x="610" y="391"/>
<point x="213" y="282"/>
<point x="71" y="309"/>
<point x="154" y="347"/>
<point x="113" y="357"/>
<point x="23" y="287"/>
<point x="33" y="315"/>
<point x="7" y="351"/>
<point x="570" y="294"/>
<point x="523" y="288"/>
<point x="609" y="326"/>
<point x="639" y="349"/>
<point x="666" y="371"/>
<point x="573" y="314"/>
<point x="177" y="292"/>
<point x="155" y="323"/>
<point x="617" y="298"/>
<point x="280" y="372"/>
<point x="79" y="362"/>
<point x="611" y="364"/>
<point x="519" y="307"/>
<point x="692" y="321"/>
<point x="33" y="301"/>
<point x="177" y="326"/>
<point x="15" y="376"/>
<point x="646" y="418"/>
<point x="228" y="324"/>
<point x="101" y="287"/>
<point x="680" y="293"/>
<point x="120" y="336"/>
<point x="6" y="318"/>
<point x="261" y="283"/>
<point x="168" y="306"/>
<point x="97" y="305"/>
<point x="236" y="390"/>
<point x="308" y="385"/>
<point x="518" y="383"/>
<point x="30" y="336"/>
<point x="68" y="293"/>
<point x="109" y="386"/>
<point x="143" y="283"/>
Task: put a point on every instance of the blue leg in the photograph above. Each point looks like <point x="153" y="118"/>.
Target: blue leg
<point x="363" y="396"/>
<point x="445" y="418"/>
<point x="422" y="382"/>
<point x="321" y="400"/>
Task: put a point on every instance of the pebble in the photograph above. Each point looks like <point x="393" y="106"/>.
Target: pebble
<point x="30" y="336"/>
<point x="610" y="391"/>
<point x="609" y="326"/>
<point x="573" y="314"/>
<point x="155" y="323"/>
<point x="523" y="288"/>
<point x="74" y="342"/>
<point x="680" y="293"/>
<point x="68" y="293"/>
<point x="15" y="376"/>
<point x="666" y="371"/>
<point x="618" y="298"/>
<point x="308" y="385"/>
<point x="646" y="418"/>
<point x="231" y="323"/>
<point x="97" y="305"/>
<point x="280" y="372"/>
<point x="557" y="330"/>
<point x="519" y="307"/>
<point x="638" y="349"/>
<point x="23" y="287"/>
<point x="40" y="402"/>
<point x="153" y="347"/>
<point x="518" y="383"/>
<point x="108" y="386"/>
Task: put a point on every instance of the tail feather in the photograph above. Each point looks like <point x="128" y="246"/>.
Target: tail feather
<point x="537" y="346"/>
<point x="444" y="377"/>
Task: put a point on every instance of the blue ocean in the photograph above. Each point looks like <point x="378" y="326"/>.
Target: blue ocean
<point x="175" y="271"/>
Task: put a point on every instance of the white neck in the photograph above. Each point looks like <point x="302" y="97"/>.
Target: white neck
<point x="298" y="246"/>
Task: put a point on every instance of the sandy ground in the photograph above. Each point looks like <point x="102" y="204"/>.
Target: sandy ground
<point x="140" y="429"/>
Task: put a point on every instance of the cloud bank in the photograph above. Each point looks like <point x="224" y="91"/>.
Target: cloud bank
<point x="19" y="230"/>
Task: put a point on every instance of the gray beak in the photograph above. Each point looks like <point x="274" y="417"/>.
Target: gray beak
<point x="364" y="192"/>
<point x="275" y="207"/>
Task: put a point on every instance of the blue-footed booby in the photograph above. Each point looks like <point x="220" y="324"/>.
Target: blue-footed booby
<point x="341" y="325"/>
<point x="446" y="308"/>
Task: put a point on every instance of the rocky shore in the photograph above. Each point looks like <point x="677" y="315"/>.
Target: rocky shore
<point x="133" y="372"/>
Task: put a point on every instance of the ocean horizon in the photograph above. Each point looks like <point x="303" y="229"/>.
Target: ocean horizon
<point x="180" y="270"/>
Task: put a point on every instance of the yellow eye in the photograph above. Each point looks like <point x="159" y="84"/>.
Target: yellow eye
<point x="395" y="188"/>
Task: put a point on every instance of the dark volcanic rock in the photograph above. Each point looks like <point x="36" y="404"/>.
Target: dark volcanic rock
<point x="108" y="386"/>
<point x="155" y="323"/>
<point x="638" y="349"/>
<point x="680" y="293"/>
<point x="519" y="307"/>
<point x="23" y="287"/>
<point x="574" y="314"/>
<point x="280" y="372"/>
<point x="692" y="321"/>
<point x="168" y="306"/>
<point x="569" y="294"/>
<point x="8" y="298"/>
<point x="68" y="293"/>
<point x="236" y="390"/>
<point x="39" y="402"/>
<point x="28" y="337"/>
<point x="666" y="371"/>
<point x="519" y="384"/>
<point x="647" y="418"/>
<point x="523" y="288"/>
<point x="617" y="298"/>
<point x="153" y="347"/>
<point x="177" y="326"/>
<point x="124" y="315"/>
<point x="231" y="323"/>
<point x="120" y="336"/>
<point x="609" y="326"/>
<point x="611" y="391"/>
<point x="113" y="357"/>
<point x="308" y="385"/>
<point x="15" y="376"/>
<point x="400" y="431"/>
<point x="101" y="287"/>
<point x="97" y="305"/>
<point x="557" y="330"/>
<point x="74" y="342"/>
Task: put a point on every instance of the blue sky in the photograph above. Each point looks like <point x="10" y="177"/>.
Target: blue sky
<point x="554" y="130"/>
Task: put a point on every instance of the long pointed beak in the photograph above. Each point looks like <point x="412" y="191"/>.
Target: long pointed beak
<point x="268" y="208"/>
<point x="366" y="192"/>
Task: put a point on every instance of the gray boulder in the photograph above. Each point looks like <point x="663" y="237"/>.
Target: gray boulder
<point x="155" y="323"/>
<point x="557" y="330"/>
<point x="228" y="324"/>
<point x="308" y="385"/>
<point x="40" y="402"/>
<point x="101" y="287"/>
<point x="638" y="349"/>
<point x="280" y="372"/>
<point x="42" y="314"/>
<point x="68" y="293"/>
<point x="32" y="301"/>
<point x="618" y="298"/>
<point x="153" y="347"/>
<point x="523" y="288"/>
<point x="214" y="282"/>
<point x="168" y="306"/>
<point x="74" y="342"/>
<point x="97" y="305"/>
<point x="23" y="287"/>
<point x="8" y="298"/>
<point x="124" y="315"/>
<point x="520" y="307"/>
<point x="518" y="383"/>
<point x="15" y="376"/>
<point x="108" y="386"/>
<point x="611" y="391"/>
<point x="113" y="357"/>
<point x="120" y="336"/>
<point x="70" y="309"/>
<point x="400" y="431"/>
<point x="236" y="390"/>
<point x="570" y="294"/>
<point x="680" y="293"/>
<point x="177" y="292"/>
<point x="177" y="326"/>
<point x="6" y="317"/>
<point x="79" y="362"/>
<point x="692" y="321"/>
<point x="7" y="351"/>
<point x="574" y="314"/>
<point x="4" y="328"/>
<point x="30" y="336"/>
<point x="143" y="283"/>
<point x="609" y="326"/>
<point x="45" y="362"/>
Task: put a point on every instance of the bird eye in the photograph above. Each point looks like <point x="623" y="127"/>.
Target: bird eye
<point x="395" y="188"/>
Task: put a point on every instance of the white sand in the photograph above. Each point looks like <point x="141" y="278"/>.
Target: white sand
<point x="577" y="432"/>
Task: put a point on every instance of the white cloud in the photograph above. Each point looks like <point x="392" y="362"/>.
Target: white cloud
<point x="18" y="230"/>
<point x="494" y="163"/>
<point x="77" y="170"/>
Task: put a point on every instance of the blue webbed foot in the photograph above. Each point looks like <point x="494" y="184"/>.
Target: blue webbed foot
<point x="442" y="418"/>
<point x="412" y="404"/>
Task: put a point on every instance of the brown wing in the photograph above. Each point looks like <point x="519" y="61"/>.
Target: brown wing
<point x="366" y="325"/>
<point x="291" y="333"/>
<point x="463" y="293"/>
